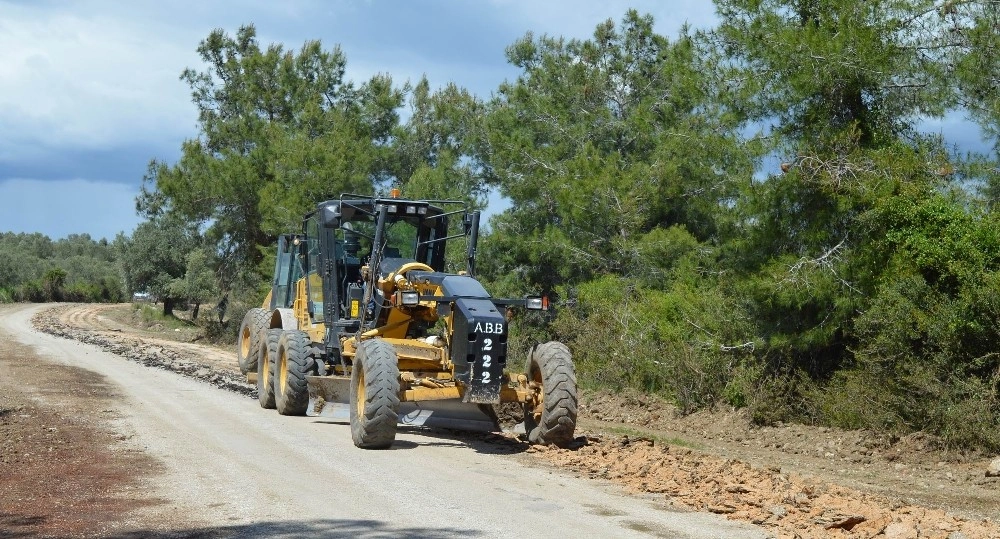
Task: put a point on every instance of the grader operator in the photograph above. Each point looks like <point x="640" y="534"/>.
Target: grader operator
<point x="363" y="322"/>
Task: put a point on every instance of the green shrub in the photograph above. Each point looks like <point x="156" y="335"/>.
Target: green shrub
<point x="32" y="291"/>
<point x="925" y="360"/>
<point x="781" y="395"/>
<point x="691" y="344"/>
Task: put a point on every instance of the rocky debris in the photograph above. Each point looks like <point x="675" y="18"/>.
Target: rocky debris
<point x="842" y="522"/>
<point x="147" y="354"/>
<point x="792" y="505"/>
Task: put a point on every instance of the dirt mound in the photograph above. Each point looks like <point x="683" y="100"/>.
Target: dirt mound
<point x="790" y="504"/>
<point x="735" y="426"/>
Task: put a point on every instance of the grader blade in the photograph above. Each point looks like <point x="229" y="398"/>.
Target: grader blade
<point x="330" y="396"/>
<point x="447" y="414"/>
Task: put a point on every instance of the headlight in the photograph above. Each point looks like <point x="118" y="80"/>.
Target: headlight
<point x="407" y="298"/>
<point x="422" y="210"/>
<point x="535" y="303"/>
<point x="391" y="208"/>
<point x="411" y="210"/>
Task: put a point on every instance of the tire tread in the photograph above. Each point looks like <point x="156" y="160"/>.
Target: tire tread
<point x="559" y="403"/>
<point x="376" y="427"/>
<point x="256" y="320"/>
<point x="265" y="360"/>
<point x="294" y="399"/>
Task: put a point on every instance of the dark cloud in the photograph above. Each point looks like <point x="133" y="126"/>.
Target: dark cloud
<point x="124" y="164"/>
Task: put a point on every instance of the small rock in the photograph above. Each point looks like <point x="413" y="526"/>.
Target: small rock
<point x="957" y="535"/>
<point x="723" y="509"/>
<point x="993" y="470"/>
<point x="846" y="522"/>
<point x="899" y="530"/>
<point x="778" y="510"/>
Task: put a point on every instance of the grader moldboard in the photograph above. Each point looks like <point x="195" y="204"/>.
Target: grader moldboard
<point x="363" y="323"/>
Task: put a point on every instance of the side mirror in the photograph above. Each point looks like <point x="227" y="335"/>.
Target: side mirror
<point x="329" y="216"/>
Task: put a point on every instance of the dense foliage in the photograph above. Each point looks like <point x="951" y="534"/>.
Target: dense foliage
<point x="75" y="268"/>
<point x="748" y="215"/>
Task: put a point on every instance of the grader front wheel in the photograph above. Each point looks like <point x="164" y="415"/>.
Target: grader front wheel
<point x="553" y="420"/>
<point x="374" y="395"/>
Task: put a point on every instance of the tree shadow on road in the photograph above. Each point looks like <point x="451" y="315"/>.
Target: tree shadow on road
<point x="15" y="526"/>
<point x="19" y="525"/>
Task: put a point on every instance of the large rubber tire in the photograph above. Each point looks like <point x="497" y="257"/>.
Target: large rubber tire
<point x="292" y="364"/>
<point x="374" y="395"/>
<point x="551" y="366"/>
<point x="265" y="368"/>
<point x="250" y="337"/>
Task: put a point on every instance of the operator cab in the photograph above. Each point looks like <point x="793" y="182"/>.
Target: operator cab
<point x="341" y="237"/>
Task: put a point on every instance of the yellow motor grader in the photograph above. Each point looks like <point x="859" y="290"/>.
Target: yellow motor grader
<point x="362" y="322"/>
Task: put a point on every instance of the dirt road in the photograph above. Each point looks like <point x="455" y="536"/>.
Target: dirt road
<point x="141" y="452"/>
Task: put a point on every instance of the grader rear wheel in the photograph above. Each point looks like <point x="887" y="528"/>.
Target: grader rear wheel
<point x="553" y="420"/>
<point x="292" y="364"/>
<point x="265" y="368"/>
<point x="249" y="340"/>
<point x="374" y="395"/>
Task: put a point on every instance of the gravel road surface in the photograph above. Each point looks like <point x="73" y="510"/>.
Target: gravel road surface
<point x="231" y="469"/>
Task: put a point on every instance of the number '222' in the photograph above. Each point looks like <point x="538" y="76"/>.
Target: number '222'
<point x="487" y="359"/>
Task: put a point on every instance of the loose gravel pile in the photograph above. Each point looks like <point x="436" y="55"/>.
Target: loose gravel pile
<point x="150" y="355"/>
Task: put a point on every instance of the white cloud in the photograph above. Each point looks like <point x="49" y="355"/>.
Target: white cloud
<point x="88" y="79"/>
<point x="94" y="74"/>
<point x="62" y="207"/>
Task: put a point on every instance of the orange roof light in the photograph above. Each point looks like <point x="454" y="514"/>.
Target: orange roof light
<point x="394" y="192"/>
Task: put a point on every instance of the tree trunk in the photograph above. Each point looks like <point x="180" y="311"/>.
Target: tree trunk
<point x="168" y="306"/>
<point x="194" y="312"/>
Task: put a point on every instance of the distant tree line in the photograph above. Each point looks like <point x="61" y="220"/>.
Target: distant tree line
<point x="76" y="268"/>
<point x="166" y="263"/>
<point x="747" y="215"/>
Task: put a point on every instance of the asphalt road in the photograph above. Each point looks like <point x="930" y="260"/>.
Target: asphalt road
<point x="233" y="469"/>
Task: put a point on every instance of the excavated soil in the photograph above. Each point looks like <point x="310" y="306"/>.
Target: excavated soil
<point x="791" y="504"/>
<point x="795" y="480"/>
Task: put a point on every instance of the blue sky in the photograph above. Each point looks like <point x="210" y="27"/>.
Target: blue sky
<point x="89" y="90"/>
